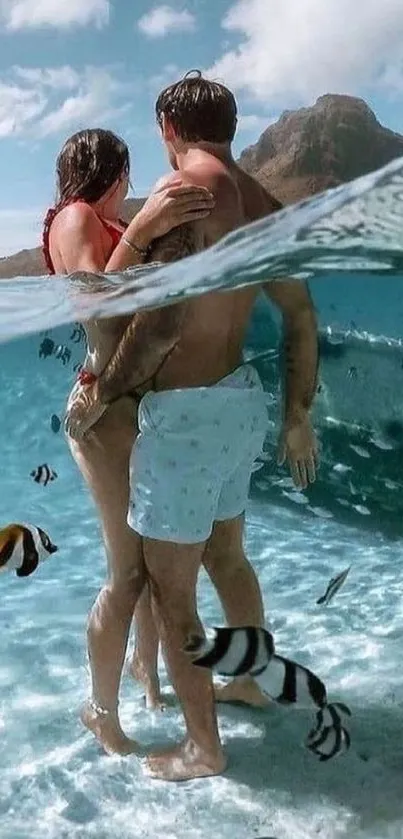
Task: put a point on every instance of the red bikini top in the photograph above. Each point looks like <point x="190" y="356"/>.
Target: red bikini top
<point x="114" y="233"/>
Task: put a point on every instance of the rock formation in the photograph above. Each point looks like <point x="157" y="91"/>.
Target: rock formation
<point x="313" y="149"/>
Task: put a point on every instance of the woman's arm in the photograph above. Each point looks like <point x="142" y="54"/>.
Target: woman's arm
<point x="79" y="230"/>
<point x="164" y="210"/>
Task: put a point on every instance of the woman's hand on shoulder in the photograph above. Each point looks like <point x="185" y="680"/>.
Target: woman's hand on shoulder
<point x="168" y="207"/>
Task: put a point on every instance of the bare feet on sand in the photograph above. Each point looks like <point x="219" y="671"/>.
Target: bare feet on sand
<point x="243" y="690"/>
<point x="151" y="685"/>
<point x="107" y="730"/>
<point x="184" y="762"/>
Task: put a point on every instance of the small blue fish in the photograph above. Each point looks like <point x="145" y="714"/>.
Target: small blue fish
<point x="334" y="585"/>
<point x="55" y="423"/>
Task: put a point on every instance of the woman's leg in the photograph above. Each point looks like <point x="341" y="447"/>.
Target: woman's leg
<point x="103" y="459"/>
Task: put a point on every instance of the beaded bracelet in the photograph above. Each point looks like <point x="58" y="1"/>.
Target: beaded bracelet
<point x="135" y="248"/>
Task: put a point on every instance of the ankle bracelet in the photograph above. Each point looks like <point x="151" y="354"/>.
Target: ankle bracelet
<point x="102" y="712"/>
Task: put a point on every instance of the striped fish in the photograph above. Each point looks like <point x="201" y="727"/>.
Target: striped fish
<point x="250" y="651"/>
<point x="23" y="547"/>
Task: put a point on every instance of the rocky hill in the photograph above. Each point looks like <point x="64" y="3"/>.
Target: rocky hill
<point x="306" y="151"/>
<point x="313" y="149"/>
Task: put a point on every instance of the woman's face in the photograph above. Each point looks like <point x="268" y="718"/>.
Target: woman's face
<point x="123" y="187"/>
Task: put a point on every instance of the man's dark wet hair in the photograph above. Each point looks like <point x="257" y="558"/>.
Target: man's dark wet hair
<point x="199" y="110"/>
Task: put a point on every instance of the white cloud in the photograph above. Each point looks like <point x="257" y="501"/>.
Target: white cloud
<point x="299" y="49"/>
<point x="54" y="77"/>
<point x="62" y="14"/>
<point x="254" y="122"/>
<point x="19" y="108"/>
<point x="37" y="102"/>
<point x="92" y="102"/>
<point x="20" y="229"/>
<point x="163" y="20"/>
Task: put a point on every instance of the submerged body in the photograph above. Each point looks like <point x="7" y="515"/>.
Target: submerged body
<point x="84" y="232"/>
<point x="187" y="348"/>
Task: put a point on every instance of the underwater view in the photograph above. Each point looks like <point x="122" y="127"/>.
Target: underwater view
<point x="55" y="781"/>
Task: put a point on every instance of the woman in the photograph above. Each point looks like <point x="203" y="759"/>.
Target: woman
<point x="84" y="232"/>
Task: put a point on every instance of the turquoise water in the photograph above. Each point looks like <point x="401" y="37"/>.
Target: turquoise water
<point x="54" y="781"/>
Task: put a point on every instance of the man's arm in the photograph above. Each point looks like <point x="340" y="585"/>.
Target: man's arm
<point x="293" y="299"/>
<point x="151" y="335"/>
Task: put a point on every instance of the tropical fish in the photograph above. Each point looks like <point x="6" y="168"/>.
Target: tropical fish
<point x="249" y="650"/>
<point x="46" y="348"/>
<point x="63" y="353"/>
<point x="43" y="474"/>
<point x="55" y="423"/>
<point x="77" y="334"/>
<point x="23" y="547"/>
<point x="334" y="585"/>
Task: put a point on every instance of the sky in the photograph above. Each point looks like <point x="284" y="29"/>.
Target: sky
<point x="71" y="64"/>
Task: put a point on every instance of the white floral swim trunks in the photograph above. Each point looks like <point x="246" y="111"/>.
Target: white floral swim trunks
<point x="192" y="461"/>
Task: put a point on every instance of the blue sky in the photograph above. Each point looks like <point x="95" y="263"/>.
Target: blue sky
<point x="69" y="64"/>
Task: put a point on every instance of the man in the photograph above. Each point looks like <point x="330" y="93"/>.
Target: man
<point x="202" y="421"/>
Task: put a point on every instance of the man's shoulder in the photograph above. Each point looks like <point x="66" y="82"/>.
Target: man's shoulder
<point x="266" y="203"/>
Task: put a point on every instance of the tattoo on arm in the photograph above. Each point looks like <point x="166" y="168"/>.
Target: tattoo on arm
<point x="151" y="336"/>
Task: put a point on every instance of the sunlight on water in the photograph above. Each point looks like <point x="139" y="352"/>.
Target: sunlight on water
<point x="54" y="782"/>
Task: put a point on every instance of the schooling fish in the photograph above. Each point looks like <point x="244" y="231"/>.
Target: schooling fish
<point x="77" y="334"/>
<point x="23" y="547"/>
<point x="43" y="474"/>
<point x="55" y="423"/>
<point x="63" y="353"/>
<point x="46" y="348"/>
<point x="334" y="585"/>
<point x="249" y="651"/>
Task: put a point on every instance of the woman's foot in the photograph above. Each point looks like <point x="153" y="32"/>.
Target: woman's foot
<point x="106" y="727"/>
<point x="244" y="690"/>
<point x="184" y="762"/>
<point x="151" y="684"/>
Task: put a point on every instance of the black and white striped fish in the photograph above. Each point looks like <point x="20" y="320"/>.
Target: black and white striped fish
<point x="334" y="585"/>
<point x="43" y="474"/>
<point x="23" y="547"/>
<point x="250" y="651"/>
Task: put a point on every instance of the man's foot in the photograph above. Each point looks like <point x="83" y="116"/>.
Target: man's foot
<point x="107" y="730"/>
<point x="243" y="690"/>
<point x="184" y="763"/>
<point x="151" y="685"/>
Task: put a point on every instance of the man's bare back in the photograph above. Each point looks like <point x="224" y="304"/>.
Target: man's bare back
<point x="214" y="325"/>
<point x="200" y="340"/>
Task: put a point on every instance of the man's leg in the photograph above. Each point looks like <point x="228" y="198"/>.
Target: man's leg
<point x="173" y="571"/>
<point x="233" y="575"/>
<point x="144" y="663"/>
<point x="238" y="589"/>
